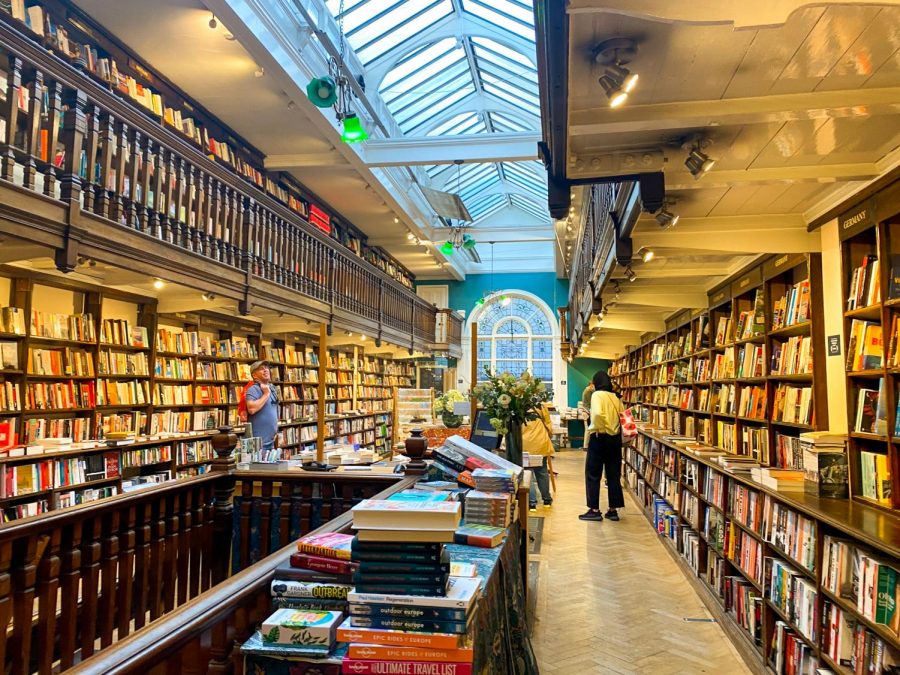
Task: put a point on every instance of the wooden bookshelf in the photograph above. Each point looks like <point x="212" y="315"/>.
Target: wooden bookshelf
<point x="726" y="542"/>
<point x="871" y="310"/>
<point x="713" y="374"/>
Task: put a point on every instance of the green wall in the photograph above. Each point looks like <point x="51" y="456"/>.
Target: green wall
<point x="555" y="292"/>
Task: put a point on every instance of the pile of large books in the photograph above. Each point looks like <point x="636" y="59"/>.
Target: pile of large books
<point x="406" y="610"/>
<point x="488" y="508"/>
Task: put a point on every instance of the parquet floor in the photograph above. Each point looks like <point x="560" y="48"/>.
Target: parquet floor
<point x="611" y="600"/>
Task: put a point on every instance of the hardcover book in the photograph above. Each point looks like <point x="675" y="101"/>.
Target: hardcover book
<point x="328" y="545"/>
<point x="382" y="636"/>
<point x="305" y="628"/>
<point x="396" y="653"/>
<point x="364" y="667"/>
<point x="462" y="592"/>
<point x="304" y="589"/>
<point x="420" y="625"/>
<point x="413" y="612"/>
<point x="400" y="515"/>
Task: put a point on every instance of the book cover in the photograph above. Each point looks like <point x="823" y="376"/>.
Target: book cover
<point x="328" y="545"/>
<point x="404" y="535"/>
<point x="401" y="578"/>
<point x="396" y="653"/>
<point x="289" y="572"/>
<point x="866" y="406"/>
<point x="307" y="628"/>
<point x="423" y="590"/>
<point x="409" y="612"/>
<point x="886" y="598"/>
<point x="381" y="636"/>
<point x="393" y="567"/>
<point x="420" y="625"/>
<point x="304" y="589"/>
<point x="873" y="347"/>
<point x="461" y="593"/>
<point x="387" y="514"/>
<point x="483" y="536"/>
<point x="894" y="286"/>
<point x="413" y="557"/>
<point x="322" y="564"/>
<point x="353" y="666"/>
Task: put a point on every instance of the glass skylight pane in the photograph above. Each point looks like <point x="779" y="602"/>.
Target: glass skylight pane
<point x="369" y="9"/>
<point x="415" y="60"/>
<point x="507" y="21"/>
<point x="528" y="72"/>
<point x="373" y="42"/>
<point x="448" y="80"/>
<point x="512" y="123"/>
<point x="499" y="77"/>
<point x="464" y="123"/>
<point x="431" y="106"/>
<point x="484" y="44"/>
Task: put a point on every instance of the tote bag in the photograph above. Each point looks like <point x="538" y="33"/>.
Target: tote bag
<point x="626" y="421"/>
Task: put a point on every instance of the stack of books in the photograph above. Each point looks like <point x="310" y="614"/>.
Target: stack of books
<point x="825" y="463"/>
<point x="494" y="480"/>
<point x="488" y="508"/>
<point x="411" y="634"/>
<point x="319" y="575"/>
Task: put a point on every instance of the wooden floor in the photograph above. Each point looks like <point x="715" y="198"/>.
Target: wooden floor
<point x="610" y="598"/>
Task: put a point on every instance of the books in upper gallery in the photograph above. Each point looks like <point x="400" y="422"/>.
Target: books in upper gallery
<point x="12" y="320"/>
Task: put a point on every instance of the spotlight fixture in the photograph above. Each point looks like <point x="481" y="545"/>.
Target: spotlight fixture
<point x="629" y="274"/>
<point x="212" y="21"/>
<point x="646" y="254"/>
<point x="410" y="236"/>
<point x="617" y="80"/>
<point x="666" y="218"/>
<point x="698" y="162"/>
<point x="259" y="72"/>
<point x="208" y="297"/>
<point x="396" y="220"/>
<point x="158" y="284"/>
<point x="353" y="130"/>
<point x="362" y="337"/>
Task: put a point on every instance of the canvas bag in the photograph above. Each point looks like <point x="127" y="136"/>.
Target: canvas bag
<point x="626" y="421"/>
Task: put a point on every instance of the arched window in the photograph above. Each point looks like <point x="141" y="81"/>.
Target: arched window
<point x="514" y="335"/>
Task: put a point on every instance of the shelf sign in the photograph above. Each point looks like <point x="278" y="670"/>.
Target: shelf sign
<point x="319" y="219"/>
<point x="858" y="218"/>
<point x="834" y="345"/>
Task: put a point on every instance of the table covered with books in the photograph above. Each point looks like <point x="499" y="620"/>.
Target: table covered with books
<point x="367" y="602"/>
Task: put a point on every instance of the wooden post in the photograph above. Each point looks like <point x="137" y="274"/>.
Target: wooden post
<point x="224" y="444"/>
<point x="474" y="373"/>
<point x="320" y="410"/>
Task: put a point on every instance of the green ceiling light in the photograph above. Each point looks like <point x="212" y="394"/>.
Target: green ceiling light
<point x="447" y="248"/>
<point x="469" y="242"/>
<point x="353" y="130"/>
<point x="480" y="301"/>
<point x="322" y="91"/>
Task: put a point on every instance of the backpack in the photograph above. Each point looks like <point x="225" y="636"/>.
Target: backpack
<point x="242" y="412"/>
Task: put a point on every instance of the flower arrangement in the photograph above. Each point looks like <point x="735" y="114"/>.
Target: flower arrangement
<point x="509" y="400"/>
<point x="443" y="406"/>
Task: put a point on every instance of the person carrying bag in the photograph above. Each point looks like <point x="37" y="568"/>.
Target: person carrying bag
<point x="604" y="450"/>
<point x="536" y="440"/>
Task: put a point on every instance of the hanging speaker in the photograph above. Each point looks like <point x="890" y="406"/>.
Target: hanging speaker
<point x="322" y="91"/>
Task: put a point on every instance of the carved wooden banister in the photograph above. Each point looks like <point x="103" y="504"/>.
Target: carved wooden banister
<point x="203" y="635"/>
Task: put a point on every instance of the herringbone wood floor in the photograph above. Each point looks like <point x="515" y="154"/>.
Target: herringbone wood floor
<point x="611" y="600"/>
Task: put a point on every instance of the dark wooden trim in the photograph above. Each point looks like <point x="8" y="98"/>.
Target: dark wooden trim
<point x="879" y="184"/>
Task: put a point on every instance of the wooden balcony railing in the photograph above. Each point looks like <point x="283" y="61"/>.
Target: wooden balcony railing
<point x="105" y="160"/>
<point x="448" y="327"/>
<point x="76" y="581"/>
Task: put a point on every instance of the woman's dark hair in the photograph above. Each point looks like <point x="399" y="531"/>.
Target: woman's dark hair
<point x="601" y="381"/>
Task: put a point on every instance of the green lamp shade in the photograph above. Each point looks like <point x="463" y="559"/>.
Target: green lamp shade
<point x="447" y="248"/>
<point x="353" y="130"/>
<point x="322" y="91"/>
<point x="469" y="242"/>
<point x="480" y="301"/>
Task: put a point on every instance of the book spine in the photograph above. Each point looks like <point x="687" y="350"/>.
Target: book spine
<point x="299" y="589"/>
<point x="382" y="567"/>
<point x="402" y="639"/>
<point x="319" y="564"/>
<point x="436" y="579"/>
<point x="455" y="627"/>
<point x="379" y="652"/>
<point x="440" y="602"/>
<point x="408" y="612"/>
<point x="322" y="551"/>
<point x="473" y="540"/>
<point x="404" y="667"/>
<point x="395" y="556"/>
<point x="402" y="589"/>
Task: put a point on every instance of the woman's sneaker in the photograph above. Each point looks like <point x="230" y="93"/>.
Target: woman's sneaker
<point x="612" y="514"/>
<point x="591" y="515"/>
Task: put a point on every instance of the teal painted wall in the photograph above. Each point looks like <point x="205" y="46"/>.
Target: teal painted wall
<point x="555" y="292"/>
<point x="580" y="373"/>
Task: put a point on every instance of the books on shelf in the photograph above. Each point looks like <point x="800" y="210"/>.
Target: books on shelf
<point x="723" y="330"/>
<point x="78" y="327"/>
<point x="793" y="356"/>
<point x="871" y="416"/>
<point x="865" y="283"/>
<point x="12" y="320"/>
<point x="875" y="477"/>
<point x="793" y="307"/>
<point x="793" y="405"/>
<point x="865" y="347"/>
<point x="9" y="355"/>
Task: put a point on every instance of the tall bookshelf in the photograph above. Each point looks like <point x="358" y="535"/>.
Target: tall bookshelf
<point x="87" y="363"/>
<point x="870" y="255"/>
<point x="733" y="374"/>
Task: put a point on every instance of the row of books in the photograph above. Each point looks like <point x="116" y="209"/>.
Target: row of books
<point x="793" y="405"/>
<point x="792" y="357"/>
<point x="865" y="347"/>
<point x="865" y="283"/>
<point x="22" y="479"/>
<point x="793" y="307"/>
<point x="752" y="322"/>
<point x="79" y="327"/>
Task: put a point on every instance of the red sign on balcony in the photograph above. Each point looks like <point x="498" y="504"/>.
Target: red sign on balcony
<point x="319" y="218"/>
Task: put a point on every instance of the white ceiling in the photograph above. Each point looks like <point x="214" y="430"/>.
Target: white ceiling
<point x="799" y="112"/>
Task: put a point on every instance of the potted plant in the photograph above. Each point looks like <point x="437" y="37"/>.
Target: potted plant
<point x="510" y="402"/>
<point x="443" y="406"/>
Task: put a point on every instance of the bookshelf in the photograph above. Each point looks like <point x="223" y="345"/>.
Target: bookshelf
<point x="869" y="261"/>
<point x="88" y="363"/>
<point x="738" y="374"/>
<point x="743" y="545"/>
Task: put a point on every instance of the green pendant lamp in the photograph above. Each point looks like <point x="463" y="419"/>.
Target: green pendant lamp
<point x="353" y="130"/>
<point x="322" y="91"/>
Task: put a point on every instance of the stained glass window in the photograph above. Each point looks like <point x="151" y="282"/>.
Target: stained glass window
<point x="515" y="337"/>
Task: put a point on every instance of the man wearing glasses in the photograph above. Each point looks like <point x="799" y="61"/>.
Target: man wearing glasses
<point x="262" y="404"/>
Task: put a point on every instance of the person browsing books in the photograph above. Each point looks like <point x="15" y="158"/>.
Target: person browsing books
<point x="604" y="450"/>
<point x="536" y="440"/>
<point x="262" y="404"/>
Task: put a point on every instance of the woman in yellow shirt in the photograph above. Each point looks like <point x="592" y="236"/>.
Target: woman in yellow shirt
<point x="536" y="441"/>
<point x="604" y="450"/>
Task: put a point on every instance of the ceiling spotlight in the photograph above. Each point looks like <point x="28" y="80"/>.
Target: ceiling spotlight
<point x="505" y="300"/>
<point x="410" y="236"/>
<point x="259" y="72"/>
<point x="698" y="162"/>
<point x="646" y="254"/>
<point x="629" y="274"/>
<point x="396" y="220"/>
<point x="208" y="297"/>
<point x="212" y="21"/>
<point x="617" y="81"/>
<point x="362" y="337"/>
<point x="230" y="37"/>
<point x="158" y="284"/>
<point x="615" y="93"/>
<point x="666" y="218"/>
